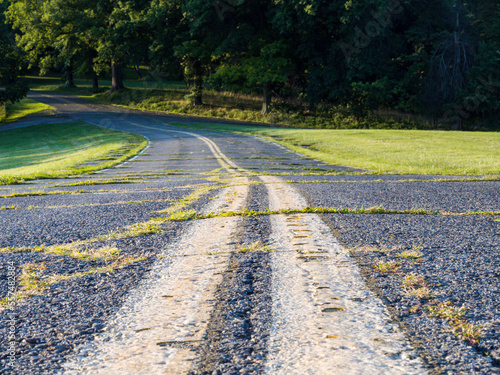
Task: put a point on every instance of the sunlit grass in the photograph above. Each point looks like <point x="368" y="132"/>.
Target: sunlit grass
<point x="387" y="151"/>
<point x="60" y="150"/>
<point x="22" y="109"/>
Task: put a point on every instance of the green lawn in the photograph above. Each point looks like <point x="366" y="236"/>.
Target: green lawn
<point x="23" y="108"/>
<point x="388" y="151"/>
<point x="61" y="150"/>
<point x="55" y="84"/>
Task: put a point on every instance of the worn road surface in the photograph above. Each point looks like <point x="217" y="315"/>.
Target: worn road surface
<point x="113" y="278"/>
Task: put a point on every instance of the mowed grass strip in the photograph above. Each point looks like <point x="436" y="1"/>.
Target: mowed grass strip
<point x="61" y="150"/>
<point x="21" y="109"/>
<point x="387" y="151"/>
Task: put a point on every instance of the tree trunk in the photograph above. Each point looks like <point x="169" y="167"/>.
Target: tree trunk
<point x="69" y="76"/>
<point x="197" y="89"/>
<point x="95" y="80"/>
<point x="266" y="100"/>
<point x="138" y="69"/>
<point x="116" y="78"/>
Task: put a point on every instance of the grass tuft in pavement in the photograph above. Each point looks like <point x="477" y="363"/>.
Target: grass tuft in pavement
<point x="455" y="316"/>
<point x="33" y="282"/>
<point x="256" y="246"/>
<point x="386" y="267"/>
<point x="330" y="210"/>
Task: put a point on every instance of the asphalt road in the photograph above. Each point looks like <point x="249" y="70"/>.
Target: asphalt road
<point x="229" y="300"/>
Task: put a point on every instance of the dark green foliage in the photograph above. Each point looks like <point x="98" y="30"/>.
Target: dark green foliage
<point x="12" y="88"/>
<point x="433" y="58"/>
<point x="166" y="20"/>
<point x="478" y="103"/>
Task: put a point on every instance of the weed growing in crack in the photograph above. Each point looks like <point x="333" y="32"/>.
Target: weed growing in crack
<point x="455" y="316"/>
<point x="73" y="250"/>
<point x="99" y="182"/>
<point x="32" y="281"/>
<point x="190" y="199"/>
<point x="416" y="286"/>
<point x="423" y="293"/>
<point x="183" y="215"/>
<point x="413" y="281"/>
<point x="35" y="194"/>
<point x="386" y="267"/>
<point x="410" y="254"/>
<point x="149" y="227"/>
<point x="340" y="211"/>
<point x="256" y="246"/>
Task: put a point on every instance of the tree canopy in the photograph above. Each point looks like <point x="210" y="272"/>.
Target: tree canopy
<point x="436" y="58"/>
<point x="12" y="88"/>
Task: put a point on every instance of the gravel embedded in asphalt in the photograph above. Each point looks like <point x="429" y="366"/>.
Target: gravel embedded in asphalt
<point x="69" y="313"/>
<point x="238" y="331"/>
<point x="460" y="263"/>
<point x="64" y="225"/>
<point x="446" y="196"/>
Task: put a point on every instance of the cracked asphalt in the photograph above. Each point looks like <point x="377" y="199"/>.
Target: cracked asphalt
<point x="458" y="256"/>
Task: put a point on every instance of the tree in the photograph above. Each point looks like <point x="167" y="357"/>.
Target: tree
<point x="55" y="32"/>
<point x="315" y="27"/>
<point x="82" y="34"/>
<point x="481" y="97"/>
<point x="263" y="68"/>
<point x="12" y="88"/>
<point x="197" y="43"/>
<point x="165" y="17"/>
<point x="34" y="37"/>
<point x="237" y="46"/>
<point x="72" y="22"/>
<point x="123" y="35"/>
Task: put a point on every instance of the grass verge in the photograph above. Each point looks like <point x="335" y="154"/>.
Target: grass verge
<point x="386" y="151"/>
<point x="22" y="109"/>
<point x="61" y="150"/>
